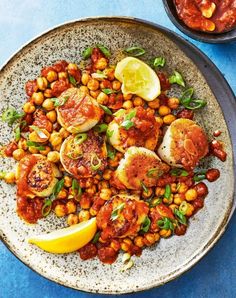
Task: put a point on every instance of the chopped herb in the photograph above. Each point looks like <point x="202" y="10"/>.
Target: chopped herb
<point x="58" y="102"/>
<point x="72" y="80"/>
<point x="106" y="109"/>
<point x="57" y="188"/>
<point x="109" y="133"/>
<point x="116" y="211"/>
<point x="159" y="61"/>
<point x="100" y="128"/>
<point x="95" y="162"/>
<point x="96" y="237"/>
<point x="179" y="172"/>
<point x="80" y="138"/>
<point x="108" y="91"/>
<point x="11" y="115"/>
<point x="76" y="187"/>
<point x="135" y="51"/>
<point x="145" y="225"/>
<point x="167" y="193"/>
<point x="47" y="207"/>
<point x="104" y="50"/>
<point x="166" y="223"/>
<point x="87" y="53"/>
<point x="180" y="216"/>
<point x="35" y="145"/>
<point x="144" y="186"/>
<point x="127" y="124"/>
<point x="176" y="78"/>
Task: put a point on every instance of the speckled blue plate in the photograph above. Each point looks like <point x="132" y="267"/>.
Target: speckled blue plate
<point x="170" y="258"/>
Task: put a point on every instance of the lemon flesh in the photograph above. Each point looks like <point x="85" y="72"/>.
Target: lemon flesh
<point x="68" y="239"/>
<point x="138" y="78"/>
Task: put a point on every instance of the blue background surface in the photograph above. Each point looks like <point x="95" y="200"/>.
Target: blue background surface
<point x="21" y="20"/>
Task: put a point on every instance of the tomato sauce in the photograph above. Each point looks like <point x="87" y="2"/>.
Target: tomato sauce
<point x="207" y="15"/>
<point x="30" y="209"/>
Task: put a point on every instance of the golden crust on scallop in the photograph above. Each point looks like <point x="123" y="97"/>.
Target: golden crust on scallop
<point x="79" y="113"/>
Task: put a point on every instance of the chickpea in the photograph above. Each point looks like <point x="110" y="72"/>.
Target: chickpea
<point x="115" y="245"/>
<point x="178" y="199"/>
<point x="29" y="108"/>
<point x="62" y="75"/>
<point x="62" y="194"/>
<point x="72" y="219"/>
<point x="55" y="139"/>
<point x="52" y="116"/>
<point x="71" y="207"/>
<point x="138" y="101"/>
<point x="48" y="93"/>
<point x="105" y="194"/>
<point x="159" y="191"/>
<point x="182" y="188"/>
<point x="128" y="104"/>
<point x="189" y="211"/>
<point x="51" y="76"/>
<point x="84" y="215"/>
<point x="64" y="133"/>
<point x="138" y="241"/>
<point x="48" y="104"/>
<point x="173" y="103"/>
<point x="164" y="110"/>
<point x="191" y="194"/>
<point x="154" y="104"/>
<point x="102" y="98"/>
<point x="94" y="94"/>
<point x="57" y="148"/>
<point x="127" y="241"/>
<point x="170" y="200"/>
<point x="124" y="246"/>
<point x="168" y="119"/>
<point x="107" y="174"/>
<point x="10" y="178"/>
<point x="173" y="187"/>
<point x="42" y="83"/>
<point x="18" y="154"/>
<point x="85" y="78"/>
<point x="157" y="237"/>
<point x="67" y="181"/>
<point x="113" y="162"/>
<point x="159" y="120"/>
<point x="150" y="144"/>
<point x="173" y="207"/>
<point x="149" y="239"/>
<point x="91" y="190"/>
<point x="33" y="150"/>
<point x="127" y="96"/>
<point x="101" y="63"/>
<point x="110" y="73"/>
<point x="93" y="84"/>
<point x="165" y="233"/>
<point x="93" y="212"/>
<point x="38" y="98"/>
<point x="22" y="144"/>
<point x="116" y="85"/>
<point x="53" y="156"/>
<point x="45" y="151"/>
<point x="72" y="66"/>
<point x="60" y="210"/>
<point x="147" y="194"/>
<point x="34" y="137"/>
<point x="84" y="89"/>
<point x="103" y="184"/>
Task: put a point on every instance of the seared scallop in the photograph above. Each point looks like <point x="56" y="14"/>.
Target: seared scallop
<point x="121" y="216"/>
<point x="82" y="155"/>
<point x="133" y="127"/>
<point x="36" y="176"/>
<point x="77" y="111"/>
<point x="184" y="144"/>
<point x="140" y="167"/>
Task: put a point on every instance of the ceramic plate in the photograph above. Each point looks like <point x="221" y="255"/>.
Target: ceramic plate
<point x="171" y="257"/>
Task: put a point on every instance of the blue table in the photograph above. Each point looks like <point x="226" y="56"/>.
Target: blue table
<point x="20" y="21"/>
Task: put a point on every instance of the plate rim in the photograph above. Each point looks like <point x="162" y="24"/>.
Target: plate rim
<point x="177" y="40"/>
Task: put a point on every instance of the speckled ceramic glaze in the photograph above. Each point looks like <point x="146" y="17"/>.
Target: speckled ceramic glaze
<point x="158" y="264"/>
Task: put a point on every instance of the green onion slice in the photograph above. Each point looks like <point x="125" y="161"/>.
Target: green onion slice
<point x="47" y="207"/>
<point x="76" y="188"/>
<point x="109" y="133"/>
<point x="106" y="109"/>
<point x="109" y="91"/>
<point x="96" y="237"/>
<point x="155" y="202"/>
<point x="159" y="62"/>
<point x="80" y="138"/>
<point x="144" y="186"/>
<point x="183" y="207"/>
<point x="180" y="216"/>
<point x="101" y="127"/>
<point x="87" y="53"/>
<point x="199" y="177"/>
<point x="165" y="223"/>
<point x="154" y="173"/>
<point x="135" y="51"/>
<point x="111" y="152"/>
<point x="35" y="145"/>
<point x="145" y="225"/>
<point x="95" y="162"/>
<point x="176" y="78"/>
<point x="39" y="132"/>
<point x="179" y="172"/>
<point x="17" y="133"/>
<point x="11" y="115"/>
<point x="58" y="102"/>
<point x="57" y="188"/>
<point x="127" y="124"/>
<point x="116" y="211"/>
<point x="167" y="193"/>
<point x="195" y="104"/>
<point x="104" y="50"/>
<point x="72" y="80"/>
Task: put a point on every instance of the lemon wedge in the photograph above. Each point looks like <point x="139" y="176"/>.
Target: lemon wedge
<point x="138" y="78"/>
<point x="68" y="239"/>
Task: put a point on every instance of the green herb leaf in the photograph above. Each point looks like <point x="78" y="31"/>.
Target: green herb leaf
<point x="80" y="138"/>
<point x="167" y="193"/>
<point x="95" y="162"/>
<point x="108" y="91"/>
<point x="109" y="133"/>
<point x="127" y="124"/>
<point x="76" y="187"/>
<point x="100" y="128"/>
<point x="96" y="237"/>
<point x="106" y="109"/>
<point x="145" y="225"/>
<point x="159" y="61"/>
<point x="35" y="145"/>
<point x="57" y="188"/>
<point x="176" y="78"/>
<point x="179" y="172"/>
<point x="72" y="80"/>
<point x="135" y="51"/>
<point x="58" y="102"/>
<point x="11" y="115"/>
<point x="47" y="207"/>
<point x="181" y="218"/>
<point x="104" y="50"/>
<point x="116" y="211"/>
<point x="166" y="223"/>
<point x="144" y="186"/>
<point x="87" y="53"/>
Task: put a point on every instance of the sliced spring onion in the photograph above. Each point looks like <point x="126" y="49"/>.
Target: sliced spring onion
<point x="119" y="113"/>
<point x="155" y="202"/>
<point x="39" y="132"/>
<point x="176" y="78"/>
<point x="106" y="109"/>
<point x="167" y="193"/>
<point x="76" y="187"/>
<point x="131" y="115"/>
<point x="154" y="173"/>
<point x="47" y="207"/>
<point x="109" y="133"/>
<point x="186" y="96"/>
<point x="126" y="257"/>
<point x="127" y="124"/>
<point x="183" y="207"/>
<point x="165" y="223"/>
<point x="116" y="211"/>
<point x="96" y="237"/>
<point x="72" y="80"/>
<point x="35" y="145"/>
<point x="144" y="186"/>
<point x="199" y="177"/>
<point x="80" y="138"/>
<point x="74" y="154"/>
<point x="111" y="152"/>
<point x="159" y="61"/>
<point x="99" y="75"/>
<point x="87" y="53"/>
<point x="195" y="104"/>
<point x="95" y="162"/>
<point x="17" y="133"/>
<point x="57" y="188"/>
<point x="104" y="50"/>
<point x="145" y="225"/>
<point x="100" y="128"/>
<point x="135" y="51"/>
<point x="127" y="265"/>
<point x="180" y="216"/>
<point x="179" y="172"/>
<point x="11" y="115"/>
<point x="58" y="102"/>
<point x="108" y="91"/>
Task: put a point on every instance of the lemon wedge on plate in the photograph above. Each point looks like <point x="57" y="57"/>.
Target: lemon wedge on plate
<point x="138" y="78"/>
<point x="68" y="239"/>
